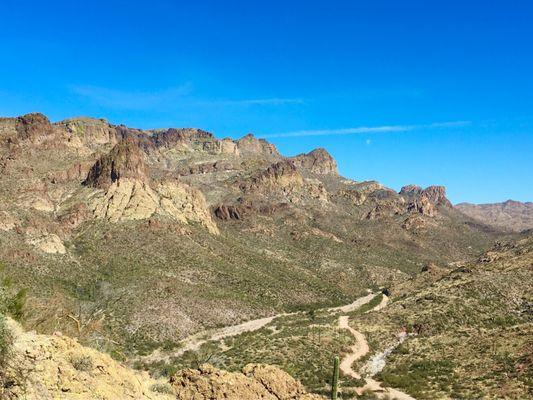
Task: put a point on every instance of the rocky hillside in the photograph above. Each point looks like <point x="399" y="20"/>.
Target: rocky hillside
<point x="41" y="367"/>
<point x="130" y="239"/>
<point x="511" y="215"/>
<point x="468" y="330"/>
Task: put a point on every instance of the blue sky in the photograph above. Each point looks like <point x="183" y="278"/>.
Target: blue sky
<point x="400" y="92"/>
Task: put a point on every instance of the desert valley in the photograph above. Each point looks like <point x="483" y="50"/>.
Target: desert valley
<point x="172" y="264"/>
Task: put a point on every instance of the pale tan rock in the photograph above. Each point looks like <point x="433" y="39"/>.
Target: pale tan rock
<point x="130" y="199"/>
<point x="42" y="204"/>
<point x="43" y="367"/>
<point x="185" y="203"/>
<point x="228" y="146"/>
<point x="49" y="243"/>
<point x="7" y="222"/>
<point x="256" y="382"/>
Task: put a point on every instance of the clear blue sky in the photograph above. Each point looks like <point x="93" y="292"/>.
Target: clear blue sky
<point x="398" y="91"/>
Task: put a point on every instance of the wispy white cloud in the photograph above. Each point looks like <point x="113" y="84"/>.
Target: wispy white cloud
<point x="367" y="129"/>
<point x="167" y="98"/>
<point x="130" y="100"/>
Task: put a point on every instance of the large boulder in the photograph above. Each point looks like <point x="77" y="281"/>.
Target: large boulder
<point x="257" y="381"/>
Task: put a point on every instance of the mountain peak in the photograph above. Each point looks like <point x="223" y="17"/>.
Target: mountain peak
<point x="125" y="160"/>
<point x="318" y="161"/>
<point x="251" y="145"/>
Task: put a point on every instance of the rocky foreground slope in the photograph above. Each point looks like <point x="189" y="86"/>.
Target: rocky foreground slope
<point x="132" y="239"/>
<point x="42" y="367"/>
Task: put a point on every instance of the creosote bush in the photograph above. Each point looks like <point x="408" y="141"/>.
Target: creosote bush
<point x="82" y="362"/>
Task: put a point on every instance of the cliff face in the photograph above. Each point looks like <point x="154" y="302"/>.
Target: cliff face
<point x="124" y="161"/>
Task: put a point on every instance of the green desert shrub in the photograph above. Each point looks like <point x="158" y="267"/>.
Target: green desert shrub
<point x="161" y="388"/>
<point x="6" y="341"/>
<point x="82" y="362"/>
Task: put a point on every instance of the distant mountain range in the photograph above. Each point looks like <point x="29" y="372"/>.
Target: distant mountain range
<point x="510" y="215"/>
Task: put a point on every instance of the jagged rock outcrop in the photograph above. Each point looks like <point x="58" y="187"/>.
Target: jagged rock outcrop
<point x="130" y="199"/>
<point x="384" y="210"/>
<point x="437" y="195"/>
<point x="227" y="212"/>
<point x="411" y="190"/>
<point x="89" y="132"/>
<point x="33" y="127"/>
<point x="279" y="176"/>
<point x="43" y="367"/>
<point x="256" y="382"/>
<point x="170" y="137"/>
<point x="422" y="205"/>
<point x="318" y="161"/>
<point x="128" y="194"/>
<point x="124" y="161"/>
<point x="205" y="168"/>
<point x="425" y="200"/>
<point x="250" y="145"/>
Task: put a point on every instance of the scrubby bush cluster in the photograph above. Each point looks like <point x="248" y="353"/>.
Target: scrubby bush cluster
<point x="82" y="362"/>
<point x="6" y="341"/>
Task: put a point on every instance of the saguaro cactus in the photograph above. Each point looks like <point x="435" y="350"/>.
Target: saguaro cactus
<point x="335" y="380"/>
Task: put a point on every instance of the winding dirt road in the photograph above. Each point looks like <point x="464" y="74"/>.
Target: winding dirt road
<point x="359" y="350"/>
<point x="194" y="342"/>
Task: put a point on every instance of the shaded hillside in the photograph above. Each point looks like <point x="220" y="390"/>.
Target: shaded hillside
<point x="510" y="215"/>
<point x="132" y="239"/>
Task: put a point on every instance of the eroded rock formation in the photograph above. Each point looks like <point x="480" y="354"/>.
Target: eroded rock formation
<point x="256" y="381"/>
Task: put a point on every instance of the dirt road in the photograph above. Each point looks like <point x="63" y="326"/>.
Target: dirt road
<point x="359" y="350"/>
<point x="195" y="341"/>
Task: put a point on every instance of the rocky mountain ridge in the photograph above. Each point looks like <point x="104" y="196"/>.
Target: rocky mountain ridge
<point x="172" y="231"/>
<point x="510" y="215"/>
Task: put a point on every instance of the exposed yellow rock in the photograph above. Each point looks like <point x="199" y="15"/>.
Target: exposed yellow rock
<point x="125" y="200"/>
<point x="228" y="146"/>
<point x="185" y="203"/>
<point x="130" y="199"/>
<point x="42" y="204"/>
<point x="43" y="367"/>
<point x="257" y="381"/>
<point x="49" y="243"/>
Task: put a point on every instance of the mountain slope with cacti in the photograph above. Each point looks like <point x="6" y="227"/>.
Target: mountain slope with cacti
<point x="131" y="240"/>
